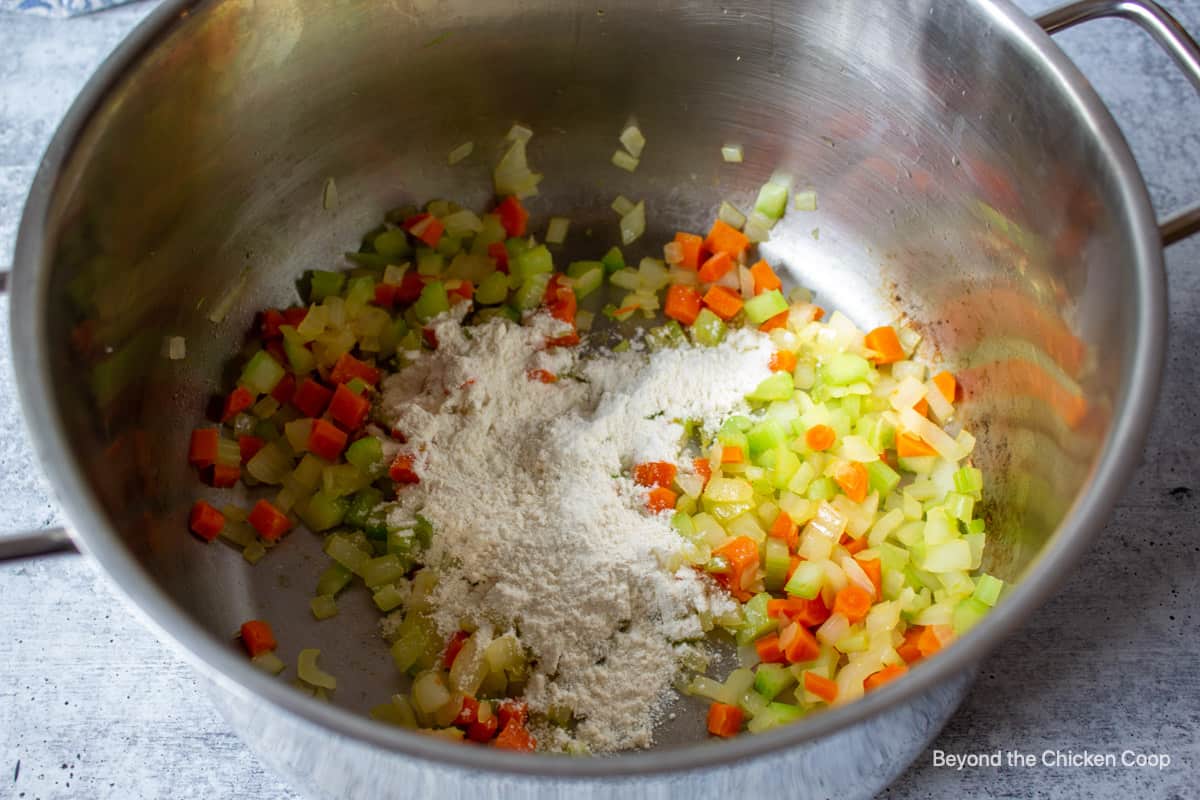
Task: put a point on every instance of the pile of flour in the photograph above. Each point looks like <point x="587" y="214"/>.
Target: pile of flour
<point x="537" y="528"/>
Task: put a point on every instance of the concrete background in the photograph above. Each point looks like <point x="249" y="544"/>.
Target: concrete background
<point x="92" y="706"/>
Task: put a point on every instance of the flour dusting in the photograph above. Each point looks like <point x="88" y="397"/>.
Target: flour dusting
<point x="538" y="528"/>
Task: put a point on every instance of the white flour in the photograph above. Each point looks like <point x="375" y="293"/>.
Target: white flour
<point x="538" y="530"/>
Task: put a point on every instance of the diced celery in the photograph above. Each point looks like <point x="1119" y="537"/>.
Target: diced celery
<point x="323" y="511"/>
<point x="708" y="329"/>
<point x="362" y="504"/>
<point x="392" y="244"/>
<point x="665" y="336"/>
<point x="987" y="589"/>
<point x="787" y="465"/>
<point x="755" y="620"/>
<point x="531" y="291"/>
<point x="308" y="471"/>
<point x="969" y="480"/>
<point x="613" y="260"/>
<point x="882" y="478"/>
<point x="778" y="386"/>
<point x="534" y="261"/>
<point x="433" y="301"/>
<point x="430" y="262"/>
<point x="774" y="715"/>
<point x="975" y="526"/>
<point x="939" y="527"/>
<point x="776" y="562"/>
<point x="764" y="436"/>
<point x="843" y="369"/>
<point x="339" y="480"/>
<point x="388" y="597"/>
<point x="323" y="606"/>
<point x="270" y="464"/>
<point x="323" y="283"/>
<point x="261" y="373"/>
<point x="947" y="556"/>
<point x="772" y="200"/>
<point x="589" y="281"/>
<point x="772" y="679"/>
<point x="334" y="579"/>
<point x="968" y="613"/>
<point x="385" y="569"/>
<point x="806" y="580"/>
<point x="359" y="292"/>
<point x="340" y="548"/>
<point x="822" y="489"/>
<point x="493" y="290"/>
<point x="367" y="455"/>
<point x="959" y="506"/>
<point x="300" y="358"/>
<point x="762" y="307"/>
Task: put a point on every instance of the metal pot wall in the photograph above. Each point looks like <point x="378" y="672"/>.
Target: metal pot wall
<point x="968" y="177"/>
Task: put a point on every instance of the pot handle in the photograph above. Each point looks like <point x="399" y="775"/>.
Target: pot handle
<point x="1171" y="36"/>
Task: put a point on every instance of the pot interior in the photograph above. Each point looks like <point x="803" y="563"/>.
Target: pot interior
<point x="960" y="185"/>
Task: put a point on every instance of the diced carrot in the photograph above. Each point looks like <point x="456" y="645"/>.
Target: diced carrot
<point x="732" y="454"/>
<point x="782" y="361"/>
<point x="462" y="290"/>
<point x="946" y="385"/>
<point x="469" y="713"/>
<point x="326" y="440"/>
<point x="909" y="649"/>
<point x="205" y="521"/>
<point x="402" y="471"/>
<point x="682" y="304"/>
<point x="249" y="446"/>
<point x="269" y="322"/>
<point x="257" y="637"/>
<point x="780" y="320"/>
<point x="269" y="521"/>
<point x="453" y="647"/>
<point x="559" y="299"/>
<point x="715" y="267"/>
<point x="793" y="562"/>
<point x="874" y="569"/>
<point x="852" y="477"/>
<point x="515" y="736"/>
<point x="765" y="279"/>
<point x="769" y="651"/>
<point x="922" y="407"/>
<point x="884" y="342"/>
<point x="724" y="238"/>
<point x="283" y="391"/>
<point x="661" y="499"/>
<point x="724" y="720"/>
<point x="853" y="545"/>
<point x="783" y="528"/>
<point x="238" y="401"/>
<point x="808" y="613"/>
<point x="692" y="246"/>
<point x="513" y="216"/>
<point x="202" y="450"/>
<point x="852" y="602"/>
<point x="703" y="468"/>
<point x="909" y="446"/>
<point x="425" y="227"/>
<point x="541" y="376"/>
<point x="429" y="336"/>
<point x="385" y="294"/>
<point x="510" y="710"/>
<point x="223" y="476"/>
<point x="483" y="732"/>
<point x="311" y="398"/>
<point x="798" y="643"/>
<point x="410" y="287"/>
<point x="933" y="639"/>
<point x="819" y="437"/>
<point x="499" y="253"/>
<point x="348" y="409"/>
<point x="885" y="675"/>
<point x="741" y="553"/>
<point x="821" y="686"/>
<point x="566" y="340"/>
<point x="654" y="473"/>
<point x="295" y="315"/>
<point x="347" y="368"/>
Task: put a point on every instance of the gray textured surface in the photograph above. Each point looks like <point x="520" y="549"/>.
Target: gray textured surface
<point x="92" y="706"/>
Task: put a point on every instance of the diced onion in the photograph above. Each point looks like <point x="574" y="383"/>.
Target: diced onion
<point x="556" y="230"/>
<point x="459" y="153"/>
<point x="941" y="408"/>
<point x="833" y="629"/>
<point x="856" y="575"/>
<point x="310" y="673"/>
<point x="827" y="522"/>
<point x="518" y="133"/>
<point x="633" y="223"/>
<point x="622" y="205"/>
<point x="584" y="320"/>
<point x="174" y="348"/>
<point x="908" y="393"/>
<point x="512" y="175"/>
<point x="623" y="160"/>
<point x="633" y="140"/>
<point x="937" y="438"/>
<point x="732" y="153"/>
<point x="729" y="214"/>
<point x="460" y="223"/>
<point x="673" y="253"/>
<point x="269" y="662"/>
<point x="805" y="201"/>
<point x="329" y="195"/>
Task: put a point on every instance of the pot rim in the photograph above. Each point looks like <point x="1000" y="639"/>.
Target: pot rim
<point x="98" y="539"/>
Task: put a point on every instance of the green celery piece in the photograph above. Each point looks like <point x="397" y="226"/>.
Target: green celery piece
<point x="367" y="454"/>
<point x="822" y="489"/>
<point x="334" y="579"/>
<point x="805" y="581"/>
<point x="261" y="373"/>
<point x="323" y="283"/>
<point x="577" y="269"/>
<point x="779" y="386"/>
<point x="733" y="434"/>
<point x="362" y="503"/>
<point x="433" y="301"/>
<point x="762" y="307"/>
<point x="772" y="200"/>
<point x="882" y="478"/>
<point x="777" y="561"/>
<point x="773" y="716"/>
<point x="589" y="281"/>
<point x="449" y="246"/>
<point x="787" y="464"/>
<point x="392" y="244"/>
<point x="708" y="329"/>
<point x="666" y="336"/>
<point x="683" y="524"/>
<point x="430" y="262"/>
<point x="968" y="613"/>
<point x="852" y="406"/>
<point x="323" y="511"/>
<point x="613" y="260"/>
<point x="959" y="506"/>
<point x="766" y="436"/>
<point x="771" y="679"/>
<point x="493" y="289"/>
<point x="987" y="589"/>
<point x="975" y="526"/>
<point x="360" y="291"/>
<point x="515" y="246"/>
<point x="845" y="368"/>
<point x="535" y="261"/>
<point x="532" y="289"/>
<point x="969" y="480"/>
<point x="755" y="620"/>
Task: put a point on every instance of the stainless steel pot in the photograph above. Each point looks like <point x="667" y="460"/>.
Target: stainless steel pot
<point x="968" y="177"/>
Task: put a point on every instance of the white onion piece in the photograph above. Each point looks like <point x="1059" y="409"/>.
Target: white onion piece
<point x="625" y="161"/>
<point x="633" y="224"/>
<point x="805" y="201"/>
<point x="729" y="214"/>
<point x="908" y="394"/>
<point x="519" y="133"/>
<point x="459" y="153"/>
<point x="937" y="438"/>
<point x="633" y="140"/>
<point x="622" y="205"/>
<point x="833" y="629"/>
<point x="856" y="575"/>
<point x="732" y="153"/>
